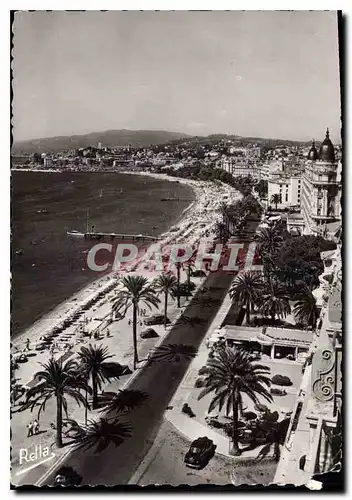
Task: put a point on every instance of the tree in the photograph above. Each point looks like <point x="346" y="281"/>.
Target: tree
<point x="166" y="284"/>
<point x="305" y="309"/>
<point x="221" y="232"/>
<point x="58" y="381"/>
<point x="135" y="290"/>
<point x="93" y="362"/>
<point x="178" y="273"/>
<point x="269" y="240"/>
<point x="224" y="211"/>
<point x="245" y="289"/>
<point x="276" y="199"/>
<point x="275" y="302"/>
<point x="230" y="374"/>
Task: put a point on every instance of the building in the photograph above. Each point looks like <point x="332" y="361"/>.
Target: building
<point x="240" y="166"/>
<point x="321" y="189"/>
<point x="313" y="441"/>
<point x="288" y="186"/>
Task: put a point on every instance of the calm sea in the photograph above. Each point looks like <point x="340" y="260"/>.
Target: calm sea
<point x="47" y="265"/>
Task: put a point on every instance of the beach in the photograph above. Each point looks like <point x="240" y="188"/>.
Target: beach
<point x="91" y="307"/>
<point x="198" y="218"/>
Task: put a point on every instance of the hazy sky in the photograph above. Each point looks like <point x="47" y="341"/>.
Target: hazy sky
<point x="268" y="74"/>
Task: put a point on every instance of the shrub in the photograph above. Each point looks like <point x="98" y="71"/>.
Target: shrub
<point x="199" y="383"/>
<point x="278" y="392"/>
<point x="260" y="407"/>
<point x="203" y="370"/>
<point x="281" y="380"/>
<point x="249" y="415"/>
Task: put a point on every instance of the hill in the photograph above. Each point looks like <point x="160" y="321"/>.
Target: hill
<point x="110" y="138"/>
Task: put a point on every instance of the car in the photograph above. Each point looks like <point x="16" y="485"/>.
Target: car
<point x="156" y="319"/>
<point x="67" y="476"/>
<point x="200" y="453"/>
<point x="149" y="333"/>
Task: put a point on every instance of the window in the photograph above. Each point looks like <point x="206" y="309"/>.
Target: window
<point x="319" y="211"/>
<point x="286" y="197"/>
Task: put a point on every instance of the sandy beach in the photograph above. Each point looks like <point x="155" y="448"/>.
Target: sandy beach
<point x="198" y="218"/>
<point x="90" y="309"/>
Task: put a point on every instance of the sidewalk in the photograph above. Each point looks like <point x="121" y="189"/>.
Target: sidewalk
<point x="119" y="344"/>
<point x="187" y="426"/>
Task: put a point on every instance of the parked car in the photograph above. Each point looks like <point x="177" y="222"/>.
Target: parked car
<point x="200" y="453"/>
<point x="149" y="333"/>
<point x="67" y="476"/>
<point x="156" y="319"/>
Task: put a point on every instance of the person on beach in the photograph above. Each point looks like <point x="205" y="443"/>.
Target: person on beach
<point x="36" y="426"/>
<point x="108" y="332"/>
<point x="30" y="429"/>
<point x="129" y="322"/>
<point x="28" y="345"/>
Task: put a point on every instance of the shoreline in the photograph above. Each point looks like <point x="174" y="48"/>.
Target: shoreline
<point x="184" y="229"/>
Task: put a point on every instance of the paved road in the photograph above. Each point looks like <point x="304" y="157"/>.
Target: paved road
<point x="115" y="466"/>
<point x="164" y="465"/>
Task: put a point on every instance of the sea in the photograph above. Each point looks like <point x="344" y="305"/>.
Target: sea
<point x="47" y="265"/>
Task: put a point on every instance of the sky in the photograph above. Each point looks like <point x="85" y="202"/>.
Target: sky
<point x="256" y="73"/>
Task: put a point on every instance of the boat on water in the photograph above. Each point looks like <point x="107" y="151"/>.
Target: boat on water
<point x="76" y="234"/>
<point x="42" y="211"/>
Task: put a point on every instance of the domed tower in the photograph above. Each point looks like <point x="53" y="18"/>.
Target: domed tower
<point x="327" y="150"/>
<point x="313" y="153"/>
<point x="321" y="188"/>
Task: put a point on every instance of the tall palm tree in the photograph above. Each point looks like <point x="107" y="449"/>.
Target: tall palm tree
<point x="135" y="290"/>
<point x="305" y="309"/>
<point x="230" y="374"/>
<point x="221" y="232"/>
<point x="93" y="362"/>
<point x="245" y="289"/>
<point x="269" y="240"/>
<point x="276" y="199"/>
<point x="166" y="284"/>
<point x="58" y="380"/>
<point x="274" y="302"/>
<point x="178" y="274"/>
<point x="224" y="211"/>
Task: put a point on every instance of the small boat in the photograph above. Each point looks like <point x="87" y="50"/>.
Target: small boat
<point x="19" y="252"/>
<point x="42" y="211"/>
<point x="76" y="234"/>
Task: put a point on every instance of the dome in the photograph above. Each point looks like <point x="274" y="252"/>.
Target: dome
<point x="313" y="153"/>
<point x="327" y="151"/>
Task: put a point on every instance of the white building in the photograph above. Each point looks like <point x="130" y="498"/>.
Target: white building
<point x="288" y="186"/>
<point x="321" y="194"/>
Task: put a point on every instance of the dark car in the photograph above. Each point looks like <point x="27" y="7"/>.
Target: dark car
<point x="157" y="319"/>
<point x="199" y="453"/>
<point x="149" y="333"/>
<point x="67" y="476"/>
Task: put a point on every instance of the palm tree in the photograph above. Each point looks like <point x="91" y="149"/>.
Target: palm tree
<point x="269" y="240"/>
<point x="178" y="272"/>
<point x="276" y="198"/>
<point x="245" y="289"/>
<point x="230" y="374"/>
<point x="221" y="232"/>
<point x="305" y="309"/>
<point x="166" y="284"/>
<point x="93" y="362"/>
<point x="275" y="302"/>
<point x="135" y="290"/>
<point x="224" y="211"/>
<point x="58" y="381"/>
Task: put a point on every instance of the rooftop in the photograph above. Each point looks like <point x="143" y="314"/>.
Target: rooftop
<point x="268" y="336"/>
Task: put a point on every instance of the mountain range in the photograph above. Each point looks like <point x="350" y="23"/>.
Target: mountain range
<point x="109" y="138"/>
<point x="136" y="138"/>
